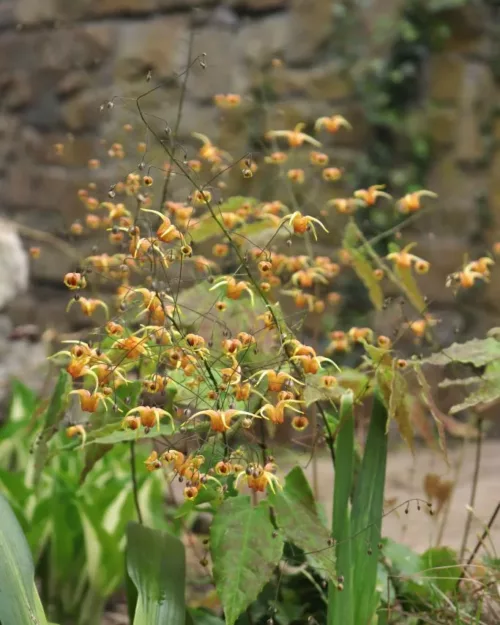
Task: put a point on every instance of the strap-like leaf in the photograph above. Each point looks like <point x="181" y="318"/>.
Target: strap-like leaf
<point x="19" y="600"/>
<point x="156" y="565"/>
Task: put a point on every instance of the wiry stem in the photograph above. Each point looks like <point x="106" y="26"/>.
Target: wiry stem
<point x="475" y="481"/>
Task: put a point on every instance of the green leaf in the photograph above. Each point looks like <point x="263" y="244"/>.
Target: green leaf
<point x="298" y="517"/>
<point x="340" y="603"/>
<point x="488" y="391"/>
<point x="477" y="352"/>
<point x="399" y="408"/>
<point x="92" y="455"/>
<point x="51" y="419"/>
<point x="440" y="565"/>
<point x="19" y="600"/>
<point x="209" y="228"/>
<point x="419" y="578"/>
<point x="112" y="434"/>
<point x="156" y="564"/>
<point x="244" y="553"/>
<point x="409" y="286"/>
<point x="366" y="514"/>
<point x="361" y="266"/>
<point x="203" y="617"/>
<point x="22" y="403"/>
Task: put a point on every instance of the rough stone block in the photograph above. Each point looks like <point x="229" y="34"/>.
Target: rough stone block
<point x="446" y="77"/>
<point x="311" y="23"/>
<point x="158" y="45"/>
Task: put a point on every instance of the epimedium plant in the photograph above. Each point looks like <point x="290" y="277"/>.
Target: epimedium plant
<point x="212" y="342"/>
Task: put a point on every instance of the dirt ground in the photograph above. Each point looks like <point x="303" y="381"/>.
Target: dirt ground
<point x="404" y="481"/>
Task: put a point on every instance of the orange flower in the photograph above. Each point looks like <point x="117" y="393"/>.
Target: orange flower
<point x="294" y="137"/>
<point x="346" y="206"/>
<point x="134" y="347"/>
<point x="227" y="101"/>
<point x="74" y="430"/>
<point x="275" y="380"/>
<point x="296" y="175"/>
<point x="88" y="305"/>
<point x="411" y="201"/>
<point x="276" y="413"/>
<point x="89" y="402"/>
<point x="369" y="196"/>
<point x="152" y="462"/>
<point x="149" y="416"/>
<point x="259" y="477"/>
<point x="276" y="158"/>
<point x="234" y="289"/>
<point x="332" y="174"/>
<point x="75" y="281"/>
<point x="208" y="151"/>
<point x="318" y="158"/>
<point x="301" y="223"/>
<point x="332" y="124"/>
<point x="220" y="420"/>
<point x="404" y="259"/>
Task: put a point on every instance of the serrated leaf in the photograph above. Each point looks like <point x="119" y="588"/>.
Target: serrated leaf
<point x="436" y="414"/>
<point x="378" y="355"/>
<point x="207" y="225"/>
<point x="19" y="600"/>
<point x="244" y="553"/>
<point x="156" y="565"/>
<point x="477" y="352"/>
<point x="410" y="287"/>
<point x="348" y="379"/>
<point x="297" y="516"/>
<point x="361" y="265"/>
<point x="112" y="434"/>
<point x="488" y="391"/>
<point x="398" y="406"/>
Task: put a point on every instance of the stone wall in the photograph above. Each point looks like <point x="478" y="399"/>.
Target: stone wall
<point x="60" y="60"/>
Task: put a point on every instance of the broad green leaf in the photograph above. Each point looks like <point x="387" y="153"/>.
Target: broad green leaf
<point x="203" y="617"/>
<point x="440" y="566"/>
<point x="156" y="565"/>
<point x="244" y="553"/>
<point x="477" y="352"/>
<point x="419" y="577"/>
<point x="366" y="514"/>
<point x="340" y="602"/>
<point x="297" y="516"/>
<point x="19" y="600"/>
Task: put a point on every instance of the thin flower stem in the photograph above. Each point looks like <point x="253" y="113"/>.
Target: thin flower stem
<point x="135" y="489"/>
<point x="475" y="481"/>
